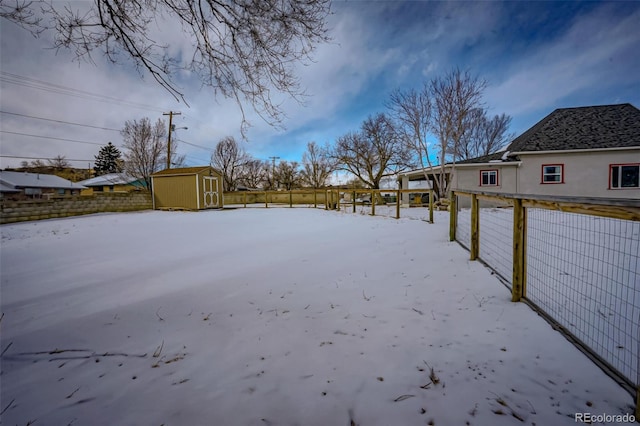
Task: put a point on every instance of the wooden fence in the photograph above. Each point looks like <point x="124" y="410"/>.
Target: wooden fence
<point x="573" y="260"/>
<point x="332" y="198"/>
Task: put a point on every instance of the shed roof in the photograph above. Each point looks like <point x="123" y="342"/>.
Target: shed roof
<point x="183" y="171"/>
<point x="17" y="180"/>
<point x="591" y="127"/>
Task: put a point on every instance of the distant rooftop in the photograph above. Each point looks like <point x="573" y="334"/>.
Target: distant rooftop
<point x="108" y="179"/>
<point x="19" y="180"/>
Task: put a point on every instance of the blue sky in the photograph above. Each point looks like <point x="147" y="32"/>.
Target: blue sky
<point x="535" y="57"/>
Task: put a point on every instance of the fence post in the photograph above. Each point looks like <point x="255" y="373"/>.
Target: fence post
<point x="398" y="204"/>
<point x="519" y="245"/>
<point x="453" y="216"/>
<point x="475" y="227"/>
<point x="431" y="206"/>
<point x="373" y="203"/>
<point x="638" y="404"/>
<point x="337" y="199"/>
<point x="266" y="200"/>
<point x="353" y="202"/>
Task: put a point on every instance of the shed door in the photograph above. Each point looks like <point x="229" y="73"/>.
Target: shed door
<point x="211" y="191"/>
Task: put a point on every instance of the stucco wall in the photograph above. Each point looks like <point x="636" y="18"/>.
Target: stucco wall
<point x="19" y="211"/>
<point x="466" y="177"/>
<point x="585" y="174"/>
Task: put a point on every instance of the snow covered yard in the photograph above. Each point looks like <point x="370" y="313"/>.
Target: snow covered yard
<point x="274" y="317"/>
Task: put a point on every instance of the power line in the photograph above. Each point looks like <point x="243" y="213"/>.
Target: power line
<point x="193" y="144"/>
<point x="68" y="91"/>
<point x="58" y="121"/>
<point x="41" y="158"/>
<point x="52" y="138"/>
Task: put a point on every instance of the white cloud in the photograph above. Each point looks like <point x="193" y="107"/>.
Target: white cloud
<point x="594" y="53"/>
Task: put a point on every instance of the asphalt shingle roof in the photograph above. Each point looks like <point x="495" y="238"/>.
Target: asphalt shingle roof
<point x="181" y="171"/>
<point x="592" y="127"/>
<point x="487" y="158"/>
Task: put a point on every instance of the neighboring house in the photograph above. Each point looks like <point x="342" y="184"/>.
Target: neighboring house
<point x="112" y="182"/>
<point x="21" y="185"/>
<point x="586" y="151"/>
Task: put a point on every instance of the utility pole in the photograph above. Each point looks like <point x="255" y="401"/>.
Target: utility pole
<point x="170" y="114"/>
<point x="273" y="168"/>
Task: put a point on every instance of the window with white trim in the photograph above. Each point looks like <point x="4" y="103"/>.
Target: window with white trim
<point x="552" y="173"/>
<point x="624" y="176"/>
<point x="488" y="178"/>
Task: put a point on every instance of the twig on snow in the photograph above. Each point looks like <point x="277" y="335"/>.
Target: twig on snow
<point x="418" y="311"/>
<point x="54" y="351"/>
<point x="94" y="355"/>
<point x="403" y="397"/>
<point x="7" y="407"/>
<point x="158" y="350"/>
<point x="72" y="393"/>
<point x="158" y="315"/>
<point x="480" y="301"/>
<point x="364" y="296"/>
<point x="432" y="374"/>
<point x="7" y="348"/>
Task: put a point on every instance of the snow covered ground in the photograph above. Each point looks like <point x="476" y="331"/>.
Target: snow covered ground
<point x="274" y="317"/>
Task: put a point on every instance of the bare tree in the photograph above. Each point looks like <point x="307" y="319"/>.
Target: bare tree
<point x="412" y="112"/>
<point x="22" y="13"/>
<point x="229" y="158"/>
<point x="242" y="49"/>
<point x="287" y="174"/>
<point x="145" y="146"/>
<point x="483" y="135"/>
<point x="253" y="174"/>
<point x="269" y="176"/>
<point x="59" y="162"/>
<point x="454" y="97"/>
<point x="317" y="166"/>
<point x="374" y="152"/>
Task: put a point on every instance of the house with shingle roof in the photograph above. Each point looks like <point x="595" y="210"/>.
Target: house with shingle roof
<point x="112" y="182"/>
<point x="589" y="151"/>
<point x="35" y="185"/>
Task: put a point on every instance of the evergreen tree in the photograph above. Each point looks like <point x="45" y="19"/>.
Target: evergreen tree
<point x="108" y="160"/>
